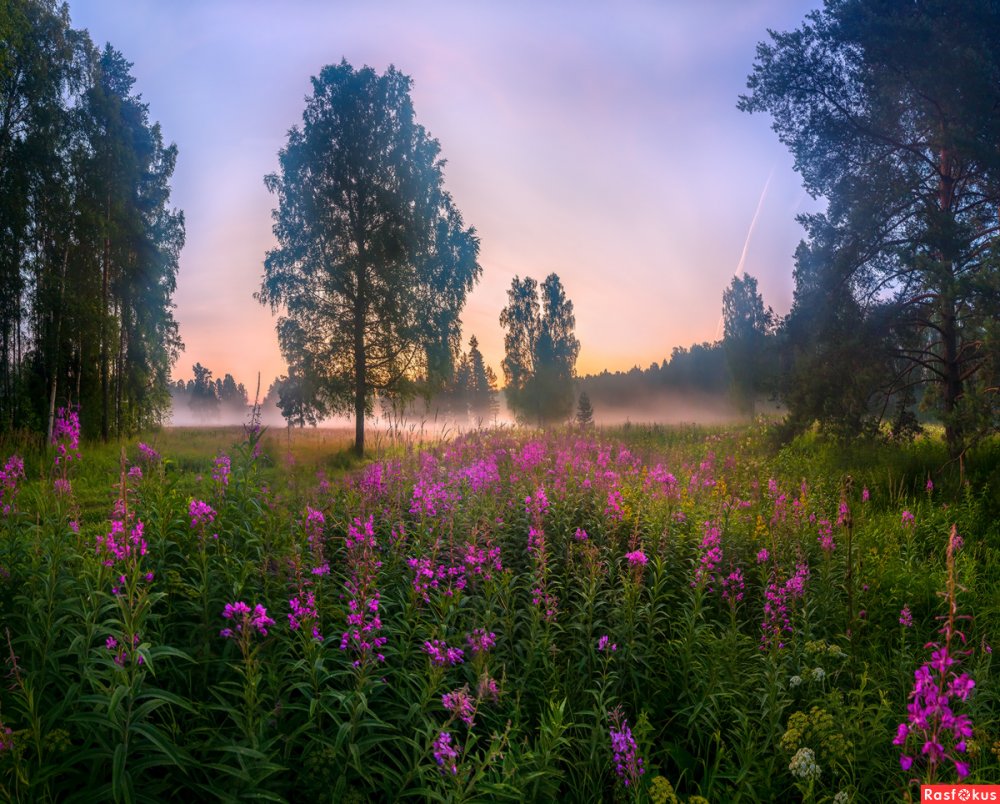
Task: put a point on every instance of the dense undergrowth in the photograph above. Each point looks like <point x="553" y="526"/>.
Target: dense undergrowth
<point x="628" y="615"/>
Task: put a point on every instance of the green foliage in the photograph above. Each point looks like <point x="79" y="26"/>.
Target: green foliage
<point x="525" y="539"/>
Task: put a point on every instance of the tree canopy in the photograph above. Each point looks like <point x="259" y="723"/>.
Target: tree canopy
<point x="541" y="350"/>
<point x="373" y="262"/>
<point x="892" y="112"/>
<point x="746" y="327"/>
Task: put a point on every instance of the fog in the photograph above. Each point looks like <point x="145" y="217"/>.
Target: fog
<point x="421" y="418"/>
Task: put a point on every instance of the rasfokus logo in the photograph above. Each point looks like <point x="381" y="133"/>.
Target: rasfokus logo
<point x="960" y="792"/>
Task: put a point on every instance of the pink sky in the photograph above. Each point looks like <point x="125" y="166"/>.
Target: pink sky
<point x="599" y="142"/>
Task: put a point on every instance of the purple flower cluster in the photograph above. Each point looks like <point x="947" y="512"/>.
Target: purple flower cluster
<point x="119" y="546"/>
<point x="314" y="526"/>
<point x="445" y="754"/>
<point x="661" y="483"/>
<point x="482" y="560"/>
<point x="778" y="599"/>
<point x="246" y="621"/>
<point x="147" y="454"/>
<point x="825" y="536"/>
<point x="303" y="612"/>
<point x="121" y="652"/>
<point x="221" y="469"/>
<point x="931" y="723"/>
<point x="430" y="499"/>
<point x="613" y="506"/>
<point x="637" y="558"/>
<point x="10" y="477"/>
<point x="711" y="556"/>
<point x="364" y="623"/>
<point x="444" y="578"/>
<point x="733" y="586"/>
<point x="441" y="654"/>
<point x="628" y="763"/>
<point x="480" y="641"/>
<point x="202" y="516"/>
<point x="605" y="645"/>
<point x="66" y="435"/>
<point x="460" y="705"/>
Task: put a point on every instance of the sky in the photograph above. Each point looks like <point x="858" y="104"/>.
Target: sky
<point x="600" y="142"/>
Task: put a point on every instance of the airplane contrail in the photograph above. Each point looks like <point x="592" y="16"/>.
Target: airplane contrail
<point x="746" y="242"/>
<point x="753" y="224"/>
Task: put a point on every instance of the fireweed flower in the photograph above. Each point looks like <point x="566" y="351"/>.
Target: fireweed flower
<point x="733" y="586"/>
<point x="931" y="723"/>
<point x="628" y="763"/>
<point x="825" y="536"/>
<point x="202" y="516"/>
<point x="246" y="621"/>
<point x="10" y="477"/>
<point x="445" y="754"/>
<point x="907" y="519"/>
<point x="364" y="622"/>
<point x="442" y="655"/>
<point x="431" y="499"/>
<point x="613" y="506"/>
<point x="580" y="535"/>
<point x="147" y="454"/>
<point x="313" y="526"/>
<point x="637" y="558"/>
<point x="762" y="556"/>
<point x="303" y="612"/>
<point x="66" y="436"/>
<point x="603" y="645"/>
<point x="865" y="495"/>
<point x="843" y="514"/>
<point x="778" y="600"/>
<point x="487" y="688"/>
<point x="482" y="560"/>
<point x="221" y="469"/>
<point x="480" y="641"/>
<point x="460" y="705"/>
<point x="711" y="556"/>
<point x="906" y="617"/>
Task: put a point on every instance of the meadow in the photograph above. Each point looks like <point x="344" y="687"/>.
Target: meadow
<point x="643" y="613"/>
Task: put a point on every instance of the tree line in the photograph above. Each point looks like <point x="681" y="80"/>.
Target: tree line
<point x="89" y="243"/>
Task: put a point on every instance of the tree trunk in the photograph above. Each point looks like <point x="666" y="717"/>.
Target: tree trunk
<point x="360" y="365"/>
<point x="953" y="431"/>
<point x="105" y="270"/>
<point x="55" y="361"/>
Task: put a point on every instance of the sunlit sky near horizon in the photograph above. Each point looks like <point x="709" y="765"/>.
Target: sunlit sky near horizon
<point x="598" y="141"/>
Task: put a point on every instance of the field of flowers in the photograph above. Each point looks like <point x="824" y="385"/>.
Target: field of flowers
<point x="647" y="614"/>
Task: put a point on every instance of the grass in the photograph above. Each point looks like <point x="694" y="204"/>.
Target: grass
<point x="471" y="618"/>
